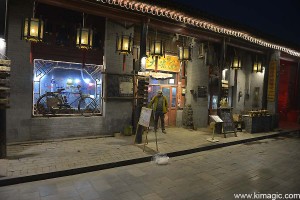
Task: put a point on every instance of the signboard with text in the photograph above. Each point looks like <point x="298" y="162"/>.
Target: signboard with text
<point x="168" y="63"/>
<point x="272" y="80"/>
<point x="145" y="117"/>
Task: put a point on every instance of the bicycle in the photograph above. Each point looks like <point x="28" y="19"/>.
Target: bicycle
<point x="51" y="102"/>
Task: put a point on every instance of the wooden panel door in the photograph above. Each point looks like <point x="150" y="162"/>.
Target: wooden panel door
<point x="170" y="93"/>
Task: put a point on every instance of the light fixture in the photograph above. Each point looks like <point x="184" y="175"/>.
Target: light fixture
<point x="84" y="39"/>
<point x="124" y="44"/>
<point x="201" y="52"/>
<point x="257" y="65"/>
<point x="157" y="49"/>
<point x="33" y="28"/>
<point x="184" y="55"/>
<point x="236" y="63"/>
<point x="2" y="47"/>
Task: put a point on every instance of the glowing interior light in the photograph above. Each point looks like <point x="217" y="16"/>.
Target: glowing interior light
<point x="143" y="61"/>
<point x="37" y="78"/>
<point x="69" y="81"/>
<point x="2" y="42"/>
<point x="87" y="80"/>
<point x="92" y="96"/>
<point x="91" y="84"/>
<point x="77" y="81"/>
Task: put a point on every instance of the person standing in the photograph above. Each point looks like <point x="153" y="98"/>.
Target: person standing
<point x="160" y="107"/>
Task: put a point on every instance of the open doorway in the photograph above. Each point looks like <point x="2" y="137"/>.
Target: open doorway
<point x="170" y="92"/>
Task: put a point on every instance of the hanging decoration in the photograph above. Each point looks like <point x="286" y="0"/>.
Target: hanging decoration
<point x="201" y="53"/>
<point x="157" y="49"/>
<point x="257" y="65"/>
<point x="33" y="28"/>
<point x="236" y="63"/>
<point x="84" y="39"/>
<point x="124" y="45"/>
<point x="184" y="55"/>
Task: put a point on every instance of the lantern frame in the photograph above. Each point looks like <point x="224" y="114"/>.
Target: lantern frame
<point x="236" y="63"/>
<point x="257" y="65"/>
<point x="86" y="33"/>
<point x="153" y="48"/>
<point x="33" y="29"/>
<point x="185" y="53"/>
<point x="201" y="51"/>
<point x="120" y="44"/>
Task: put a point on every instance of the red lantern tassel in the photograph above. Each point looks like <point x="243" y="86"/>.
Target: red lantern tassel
<point x="183" y="69"/>
<point x="156" y="63"/>
<point x="124" y="62"/>
<point x="31" y="52"/>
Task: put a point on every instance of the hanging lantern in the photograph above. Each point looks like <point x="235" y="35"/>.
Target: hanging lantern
<point x="257" y="65"/>
<point x="157" y="48"/>
<point x="236" y="63"/>
<point x="201" y="51"/>
<point x="124" y="44"/>
<point x="84" y="39"/>
<point x="185" y="53"/>
<point x="33" y="30"/>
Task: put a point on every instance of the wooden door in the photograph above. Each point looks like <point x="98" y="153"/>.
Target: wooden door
<point x="170" y="93"/>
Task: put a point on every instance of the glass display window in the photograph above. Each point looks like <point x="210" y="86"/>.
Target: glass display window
<point x="64" y="88"/>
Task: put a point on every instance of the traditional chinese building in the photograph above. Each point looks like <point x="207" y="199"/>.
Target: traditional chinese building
<point x="76" y="66"/>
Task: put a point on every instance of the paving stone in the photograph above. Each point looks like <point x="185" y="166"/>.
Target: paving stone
<point x="267" y="165"/>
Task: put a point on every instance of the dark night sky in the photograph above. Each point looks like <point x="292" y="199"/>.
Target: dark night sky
<point x="276" y="18"/>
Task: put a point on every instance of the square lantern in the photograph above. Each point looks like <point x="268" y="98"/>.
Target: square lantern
<point x="124" y="44"/>
<point x="185" y="53"/>
<point x="33" y="30"/>
<point x="157" y="48"/>
<point x="236" y="63"/>
<point x="201" y="51"/>
<point x="257" y="65"/>
<point x="84" y="39"/>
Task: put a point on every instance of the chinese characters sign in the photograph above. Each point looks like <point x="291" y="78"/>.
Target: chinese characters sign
<point x="272" y="80"/>
<point x="169" y="63"/>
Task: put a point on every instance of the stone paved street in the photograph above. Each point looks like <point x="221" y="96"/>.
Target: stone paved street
<point x="265" y="167"/>
<point x="25" y="159"/>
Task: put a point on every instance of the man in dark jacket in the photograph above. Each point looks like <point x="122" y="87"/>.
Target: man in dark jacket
<point x="160" y="107"/>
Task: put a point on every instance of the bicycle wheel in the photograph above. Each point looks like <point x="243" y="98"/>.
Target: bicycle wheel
<point x="87" y="106"/>
<point x="42" y="105"/>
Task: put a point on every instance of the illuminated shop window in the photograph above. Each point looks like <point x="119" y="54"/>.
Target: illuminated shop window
<point x="64" y="88"/>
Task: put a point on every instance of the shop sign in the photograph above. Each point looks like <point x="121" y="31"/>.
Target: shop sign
<point x="272" y="80"/>
<point x="156" y="75"/>
<point x="168" y="63"/>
